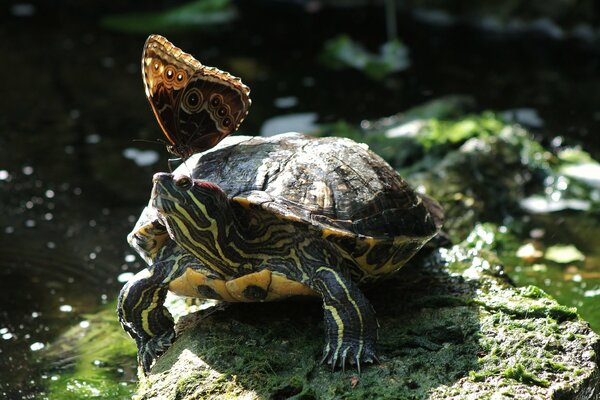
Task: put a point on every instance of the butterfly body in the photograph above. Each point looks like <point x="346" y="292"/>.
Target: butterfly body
<point x="195" y="105"/>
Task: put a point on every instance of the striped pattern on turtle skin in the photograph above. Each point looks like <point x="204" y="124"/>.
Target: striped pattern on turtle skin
<point x="148" y="236"/>
<point x="198" y="216"/>
<point x="232" y="241"/>
<point x="235" y="236"/>
<point x="343" y="303"/>
<point x="236" y="241"/>
<point x="140" y="304"/>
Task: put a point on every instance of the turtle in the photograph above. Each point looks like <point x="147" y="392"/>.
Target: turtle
<point x="259" y="219"/>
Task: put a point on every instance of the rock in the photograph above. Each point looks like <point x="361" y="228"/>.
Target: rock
<point x="452" y="326"/>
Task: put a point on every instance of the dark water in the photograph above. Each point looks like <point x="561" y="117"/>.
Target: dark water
<point x="72" y="101"/>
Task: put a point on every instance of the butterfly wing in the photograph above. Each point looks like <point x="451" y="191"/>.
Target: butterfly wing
<point x="180" y="90"/>
<point x="160" y="62"/>
<point x="212" y="106"/>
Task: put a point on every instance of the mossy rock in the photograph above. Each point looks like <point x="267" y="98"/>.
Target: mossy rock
<point x="451" y="327"/>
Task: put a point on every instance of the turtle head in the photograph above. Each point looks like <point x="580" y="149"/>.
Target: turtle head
<point x="193" y="211"/>
<point x="182" y="197"/>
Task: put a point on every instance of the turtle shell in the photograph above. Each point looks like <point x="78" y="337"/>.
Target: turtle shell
<point x="334" y="183"/>
<point x="351" y="195"/>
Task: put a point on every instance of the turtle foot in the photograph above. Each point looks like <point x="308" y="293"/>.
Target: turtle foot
<point x="149" y="351"/>
<point x="353" y="352"/>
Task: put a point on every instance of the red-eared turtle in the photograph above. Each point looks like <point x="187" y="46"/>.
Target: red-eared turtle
<point x="262" y="219"/>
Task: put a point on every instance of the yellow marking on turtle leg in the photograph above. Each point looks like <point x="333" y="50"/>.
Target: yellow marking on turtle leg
<point x="340" y="327"/>
<point x="350" y="299"/>
<point x="153" y="305"/>
<point x="125" y="295"/>
<point x="147" y="300"/>
<point x="339" y="322"/>
<point x="144" y="274"/>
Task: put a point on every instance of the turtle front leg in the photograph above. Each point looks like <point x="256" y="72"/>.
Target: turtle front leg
<point x="350" y="322"/>
<point x="144" y="317"/>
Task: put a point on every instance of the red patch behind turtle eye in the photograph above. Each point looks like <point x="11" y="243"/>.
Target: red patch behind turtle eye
<point x="208" y="186"/>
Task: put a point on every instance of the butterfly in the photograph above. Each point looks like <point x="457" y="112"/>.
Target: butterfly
<point x="195" y="105"/>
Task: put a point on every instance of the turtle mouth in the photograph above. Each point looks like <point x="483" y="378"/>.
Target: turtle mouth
<point x="161" y="196"/>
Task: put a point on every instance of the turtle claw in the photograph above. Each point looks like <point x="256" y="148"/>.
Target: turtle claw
<point x="356" y="360"/>
<point x="353" y="354"/>
<point x="150" y="350"/>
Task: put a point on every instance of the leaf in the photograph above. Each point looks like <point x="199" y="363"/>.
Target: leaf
<point x="342" y="51"/>
<point x="564" y="254"/>
<point x="189" y="16"/>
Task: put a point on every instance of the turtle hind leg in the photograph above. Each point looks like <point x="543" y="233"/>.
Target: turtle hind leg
<point x="350" y="323"/>
<point x="143" y="316"/>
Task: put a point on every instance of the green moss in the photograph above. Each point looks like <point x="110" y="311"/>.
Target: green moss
<point x="533" y="292"/>
<point x="479" y="376"/>
<point x="527" y="302"/>
<point x="343" y="52"/>
<point x="520" y="374"/>
<point x="555" y="366"/>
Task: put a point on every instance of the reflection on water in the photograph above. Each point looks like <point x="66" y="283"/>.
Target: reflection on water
<point x="57" y="263"/>
<point x="44" y="291"/>
<point x="570" y="273"/>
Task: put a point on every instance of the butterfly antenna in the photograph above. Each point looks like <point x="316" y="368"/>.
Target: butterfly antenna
<point x="188" y="168"/>
<point x="155" y="141"/>
<point x="173" y="163"/>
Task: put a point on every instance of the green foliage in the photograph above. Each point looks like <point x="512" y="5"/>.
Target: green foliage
<point x="452" y="132"/>
<point x="343" y="52"/>
<point x="199" y="14"/>
<point x="563" y="254"/>
<point x="450" y="107"/>
<point x="436" y="131"/>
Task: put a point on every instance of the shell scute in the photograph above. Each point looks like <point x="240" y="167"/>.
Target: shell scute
<point x="331" y="183"/>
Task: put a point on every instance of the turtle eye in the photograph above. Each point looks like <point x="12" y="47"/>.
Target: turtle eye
<point x="183" y="182"/>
